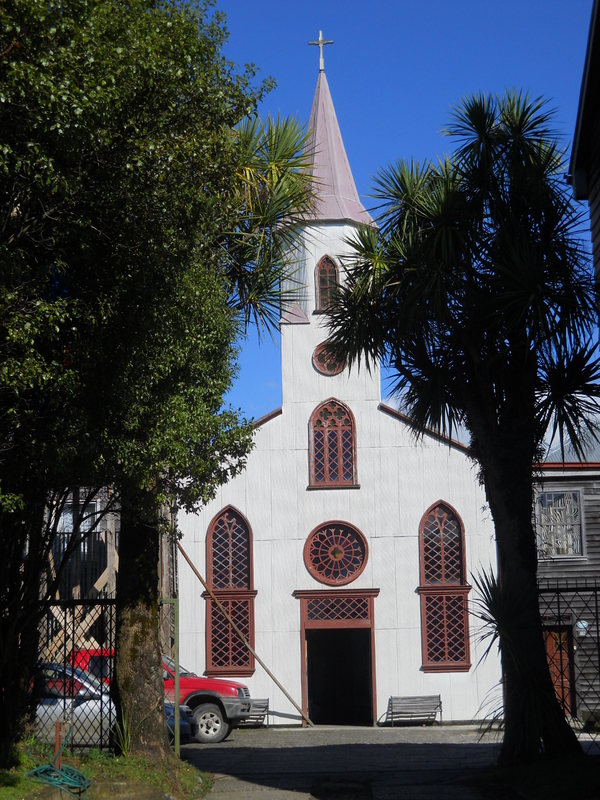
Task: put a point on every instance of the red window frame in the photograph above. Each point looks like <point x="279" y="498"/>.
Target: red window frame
<point x="327" y="279"/>
<point x="229" y="572"/>
<point x="332" y="446"/>
<point x="443" y="591"/>
<point x="325" y="363"/>
<point x="335" y="553"/>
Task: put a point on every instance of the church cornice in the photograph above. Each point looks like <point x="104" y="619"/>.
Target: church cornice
<point x="439" y="437"/>
<point x="258" y="423"/>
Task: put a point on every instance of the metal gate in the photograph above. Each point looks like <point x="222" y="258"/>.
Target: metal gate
<point x="570" y="616"/>
<point x="74" y="672"/>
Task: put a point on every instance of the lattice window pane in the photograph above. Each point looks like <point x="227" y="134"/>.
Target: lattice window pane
<point x="442" y="548"/>
<point x="226" y="647"/>
<point x="230" y="572"/>
<point x="327" y="281"/>
<point x="445" y="625"/>
<point x="230" y="542"/>
<point x="332" y="442"/>
<point x="319" y="456"/>
<point x="333" y="453"/>
<point x="444" y="613"/>
<point x="347" y="455"/>
<point x="337" y="608"/>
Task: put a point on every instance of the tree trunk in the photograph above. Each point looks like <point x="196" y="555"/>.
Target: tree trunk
<point x="139" y="687"/>
<point x="21" y="572"/>
<point x="535" y="724"/>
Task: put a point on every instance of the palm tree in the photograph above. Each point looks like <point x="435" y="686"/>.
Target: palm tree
<point x="477" y="292"/>
<point x="274" y="192"/>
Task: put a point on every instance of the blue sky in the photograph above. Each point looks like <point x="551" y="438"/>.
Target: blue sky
<point x="395" y="70"/>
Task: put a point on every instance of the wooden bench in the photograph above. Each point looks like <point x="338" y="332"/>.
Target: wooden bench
<point x="423" y="709"/>
<point x="259" y="710"/>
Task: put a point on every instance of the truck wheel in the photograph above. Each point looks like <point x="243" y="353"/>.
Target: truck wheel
<point x="212" y="725"/>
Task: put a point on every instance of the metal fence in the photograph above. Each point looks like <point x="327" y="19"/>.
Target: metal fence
<point x="75" y="655"/>
<point x="569" y="611"/>
<point x="77" y="642"/>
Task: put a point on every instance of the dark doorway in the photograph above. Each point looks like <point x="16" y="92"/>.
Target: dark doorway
<point x="338" y="675"/>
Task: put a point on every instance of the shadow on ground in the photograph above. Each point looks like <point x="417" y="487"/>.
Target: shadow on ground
<point x="439" y="763"/>
<point x="345" y="771"/>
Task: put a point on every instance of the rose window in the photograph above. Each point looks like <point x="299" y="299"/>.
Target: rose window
<point x="325" y="363"/>
<point x="335" y="553"/>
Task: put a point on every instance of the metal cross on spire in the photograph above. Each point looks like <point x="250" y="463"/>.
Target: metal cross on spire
<point x="321" y="42"/>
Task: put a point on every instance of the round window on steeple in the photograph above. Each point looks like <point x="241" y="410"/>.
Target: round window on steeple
<point x="325" y="362"/>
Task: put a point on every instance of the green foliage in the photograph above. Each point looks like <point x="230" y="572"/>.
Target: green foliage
<point x="122" y="734"/>
<point x="109" y="775"/>
<point x="139" y="223"/>
<point x="141" y="228"/>
<point x="119" y="174"/>
<point x="478" y="292"/>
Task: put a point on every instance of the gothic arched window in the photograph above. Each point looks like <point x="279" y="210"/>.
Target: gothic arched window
<point x="326" y="282"/>
<point x="332" y="445"/>
<point x="229" y="574"/>
<point x="444" y="591"/>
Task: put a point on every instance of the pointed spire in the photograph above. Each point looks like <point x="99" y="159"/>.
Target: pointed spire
<point x="336" y="190"/>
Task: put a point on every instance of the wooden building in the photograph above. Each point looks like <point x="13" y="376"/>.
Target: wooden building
<point x="85" y="527"/>
<point x="345" y="550"/>
<point x="567" y="520"/>
<point x="585" y="156"/>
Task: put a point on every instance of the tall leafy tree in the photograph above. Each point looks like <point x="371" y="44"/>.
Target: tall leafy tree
<point x="141" y="227"/>
<point x="477" y="291"/>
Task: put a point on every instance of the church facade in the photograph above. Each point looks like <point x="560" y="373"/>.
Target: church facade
<point x="345" y="551"/>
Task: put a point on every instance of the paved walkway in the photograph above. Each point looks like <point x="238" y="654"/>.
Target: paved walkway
<point x="342" y="763"/>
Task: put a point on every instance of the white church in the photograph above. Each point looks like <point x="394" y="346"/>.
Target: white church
<point x="345" y="551"/>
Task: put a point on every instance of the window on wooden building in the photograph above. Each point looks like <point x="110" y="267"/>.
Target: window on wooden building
<point x="229" y="573"/>
<point x="80" y="543"/>
<point x="326" y="282"/>
<point x="444" y="591"/>
<point x="558" y="523"/>
<point x="332" y="446"/>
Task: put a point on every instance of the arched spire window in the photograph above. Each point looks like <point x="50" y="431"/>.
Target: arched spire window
<point x="229" y="574"/>
<point x="444" y="591"/>
<point x="332" y="446"/>
<point x="326" y="282"/>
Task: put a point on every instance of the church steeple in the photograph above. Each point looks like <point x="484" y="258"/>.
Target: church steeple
<point x="336" y="191"/>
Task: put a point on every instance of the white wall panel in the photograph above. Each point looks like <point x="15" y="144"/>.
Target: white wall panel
<point x="399" y="479"/>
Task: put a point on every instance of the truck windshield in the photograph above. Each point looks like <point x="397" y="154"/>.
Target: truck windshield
<point x="170" y="665"/>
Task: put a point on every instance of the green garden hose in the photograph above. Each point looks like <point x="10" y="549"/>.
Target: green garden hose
<point x="68" y="778"/>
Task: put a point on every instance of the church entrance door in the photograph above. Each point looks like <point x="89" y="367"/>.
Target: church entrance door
<point x="338" y="656"/>
<point x="338" y="676"/>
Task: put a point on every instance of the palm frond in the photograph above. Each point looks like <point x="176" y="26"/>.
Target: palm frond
<point x="568" y="397"/>
<point x="275" y="193"/>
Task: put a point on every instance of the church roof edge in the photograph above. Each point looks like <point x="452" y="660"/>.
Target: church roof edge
<point x="258" y="423"/>
<point x="393" y="412"/>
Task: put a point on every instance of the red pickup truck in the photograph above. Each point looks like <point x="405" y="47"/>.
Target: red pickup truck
<point x="217" y="704"/>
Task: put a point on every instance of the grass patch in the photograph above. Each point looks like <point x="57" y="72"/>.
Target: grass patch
<point x="109" y="774"/>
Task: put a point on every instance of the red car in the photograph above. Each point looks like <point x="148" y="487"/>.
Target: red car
<point x="217" y="704"/>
